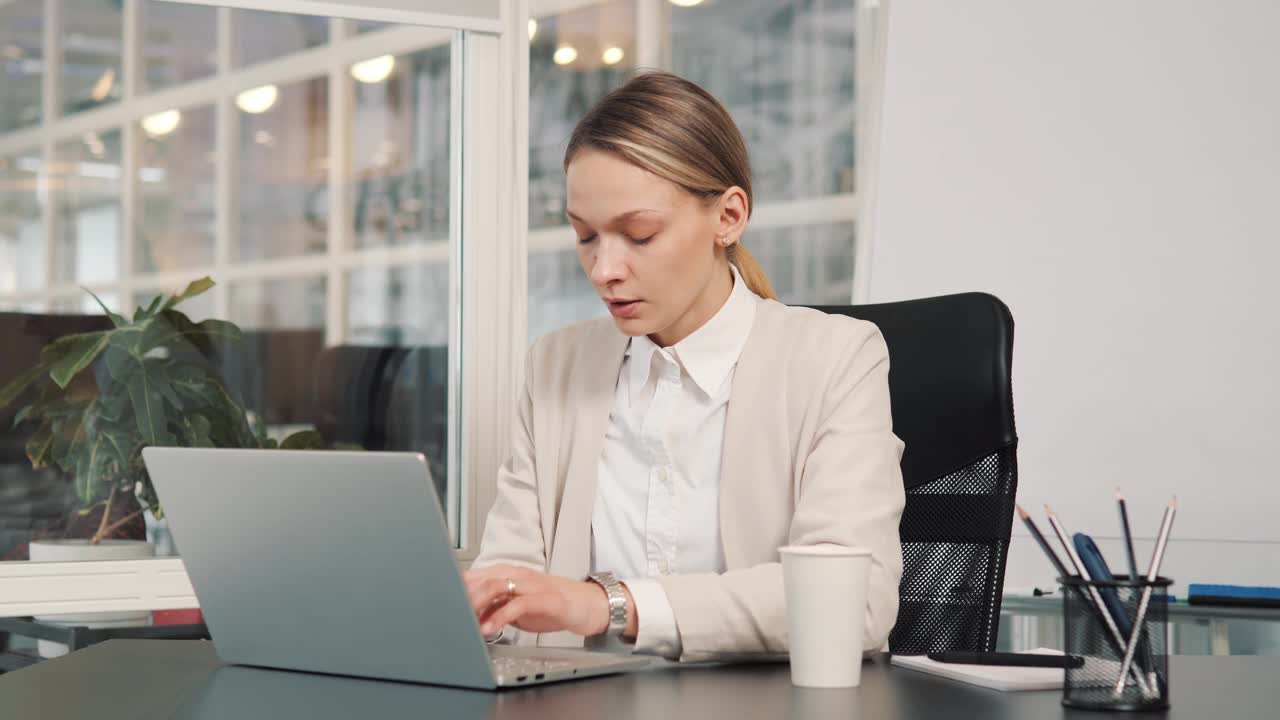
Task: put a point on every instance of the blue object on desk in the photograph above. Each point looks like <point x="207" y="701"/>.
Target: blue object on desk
<point x="1098" y="570"/>
<point x="1238" y="595"/>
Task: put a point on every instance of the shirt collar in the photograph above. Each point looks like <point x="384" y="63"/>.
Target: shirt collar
<point x="711" y="351"/>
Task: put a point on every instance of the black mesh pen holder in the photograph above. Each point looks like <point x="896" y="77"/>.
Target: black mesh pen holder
<point x="1102" y="639"/>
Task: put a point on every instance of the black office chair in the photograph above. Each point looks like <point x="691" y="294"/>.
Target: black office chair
<point x="386" y="398"/>
<point x="950" y="361"/>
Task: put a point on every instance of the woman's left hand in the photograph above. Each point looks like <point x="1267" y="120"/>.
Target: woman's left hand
<point x="532" y="601"/>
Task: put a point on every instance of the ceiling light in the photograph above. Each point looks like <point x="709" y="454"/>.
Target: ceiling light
<point x="374" y="70"/>
<point x="612" y="55"/>
<point x="162" y="123"/>
<point x="258" y="100"/>
<point x="102" y="88"/>
<point x="686" y="3"/>
<point x="94" y="144"/>
<point x="533" y="28"/>
<point x="565" y="54"/>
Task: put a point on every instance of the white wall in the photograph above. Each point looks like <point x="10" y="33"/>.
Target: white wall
<point x="1111" y="169"/>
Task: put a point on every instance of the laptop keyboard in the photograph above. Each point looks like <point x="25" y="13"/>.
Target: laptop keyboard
<point x="515" y="667"/>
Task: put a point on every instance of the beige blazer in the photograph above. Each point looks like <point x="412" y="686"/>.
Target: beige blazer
<point x="809" y="457"/>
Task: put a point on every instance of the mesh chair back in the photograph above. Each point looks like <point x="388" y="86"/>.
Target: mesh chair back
<point x="950" y="386"/>
<point x="386" y="398"/>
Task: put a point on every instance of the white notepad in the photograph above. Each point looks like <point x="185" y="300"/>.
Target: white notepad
<point x="999" y="677"/>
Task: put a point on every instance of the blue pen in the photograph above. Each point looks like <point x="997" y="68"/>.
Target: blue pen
<point x="1097" y="567"/>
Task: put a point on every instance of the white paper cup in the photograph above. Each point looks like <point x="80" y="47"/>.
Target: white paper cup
<point x="826" y="592"/>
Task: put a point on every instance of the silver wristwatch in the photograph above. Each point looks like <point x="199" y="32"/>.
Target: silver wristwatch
<point x="617" y="602"/>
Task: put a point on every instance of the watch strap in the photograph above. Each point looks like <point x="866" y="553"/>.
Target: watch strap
<point x="617" y="601"/>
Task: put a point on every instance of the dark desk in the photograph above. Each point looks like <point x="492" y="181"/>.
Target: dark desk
<point x="183" y="679"/>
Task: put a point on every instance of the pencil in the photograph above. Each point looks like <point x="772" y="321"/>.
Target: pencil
<point x="1147" y="658"/>
<point x="1101" y="609"/>
<point x="1044" y="544"/>
<point x="1153" y="572"/>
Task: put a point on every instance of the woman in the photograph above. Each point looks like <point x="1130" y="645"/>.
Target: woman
<point x="669" y="451"/>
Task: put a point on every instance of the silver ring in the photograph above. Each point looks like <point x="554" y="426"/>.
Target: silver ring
<point x="511" y="587"/>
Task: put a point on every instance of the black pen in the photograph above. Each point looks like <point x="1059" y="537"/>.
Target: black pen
<point x="967" y="657"/>
<point x="1128" y="538"/>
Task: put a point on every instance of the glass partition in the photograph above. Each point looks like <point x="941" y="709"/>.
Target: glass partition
<point x="314" y="184"/>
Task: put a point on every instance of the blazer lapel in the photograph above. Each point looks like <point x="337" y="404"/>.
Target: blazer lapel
<point x="597" y="380"/>
<point x="742" y="425"/>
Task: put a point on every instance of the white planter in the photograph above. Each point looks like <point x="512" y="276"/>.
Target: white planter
<point x="80" y="550"/>
<point x="159" y="536"/>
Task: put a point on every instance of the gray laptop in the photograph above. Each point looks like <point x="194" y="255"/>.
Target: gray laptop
<point x="337" y="562"/>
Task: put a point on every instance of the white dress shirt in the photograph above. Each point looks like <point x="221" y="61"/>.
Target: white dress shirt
<point x="656" y="508"/>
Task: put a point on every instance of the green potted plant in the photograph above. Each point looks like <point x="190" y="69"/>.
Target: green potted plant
<point x="101" y="397"/>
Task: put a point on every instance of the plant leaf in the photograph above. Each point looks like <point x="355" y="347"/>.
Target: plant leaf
<point x="55" y="349"/>
<point x="303" y="440"/>
<point x="184" y="328"/>
<point x="148" y="409"/>
<point x="10" y="392"/>
<point x="89" y="469"/>
<point x="197" y="428"/>
<point x="52" y="407"/>
<point x="157" y="332"/>
<point x="111" y="406"/>
<point x="22" y="414"/>
<point x="119" y="360"/>
<point x="195" y="288"/>
<point x="162" y="382"/>
<point x="122" y="447"/>
<point x="79" y="355"/>
<point x="257" y="427"/>
<point x="38" y="447"/>
<point x="173" y="327"/>
<point x="144" y="314"/>
<point x="219" y="330"/>
<point x="195" y="384"/>
<point x="64" y="434"/>
<point x="116" y="319"/>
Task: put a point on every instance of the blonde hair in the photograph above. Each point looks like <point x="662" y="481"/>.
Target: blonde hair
<point x="676" y="130"/>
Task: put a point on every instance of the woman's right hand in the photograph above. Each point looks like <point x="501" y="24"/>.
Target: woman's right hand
<point x="529" y="600"/>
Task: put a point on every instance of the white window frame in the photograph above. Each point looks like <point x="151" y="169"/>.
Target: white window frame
<point x="872" y="21"/>
<point x="485" y="251"/>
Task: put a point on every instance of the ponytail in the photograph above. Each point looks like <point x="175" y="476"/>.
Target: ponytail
<point x="752" y="273"/>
